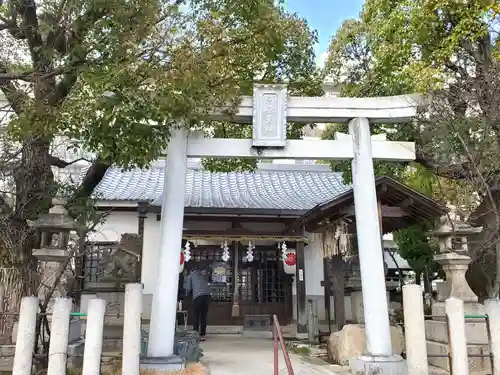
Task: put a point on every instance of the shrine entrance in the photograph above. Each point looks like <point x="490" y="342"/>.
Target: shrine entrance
<point x="257" y="286"/>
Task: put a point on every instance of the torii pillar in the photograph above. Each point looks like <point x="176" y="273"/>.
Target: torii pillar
<point x="379" y="357"/>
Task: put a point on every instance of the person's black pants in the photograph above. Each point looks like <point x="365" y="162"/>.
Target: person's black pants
<point x="200" y="307"/>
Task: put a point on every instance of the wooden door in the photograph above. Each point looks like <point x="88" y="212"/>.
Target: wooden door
<point x="264" y="288"/>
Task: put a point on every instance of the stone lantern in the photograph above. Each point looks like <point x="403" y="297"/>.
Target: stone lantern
<point x="452" y="256"/>
<point x="53" y="230"/>
<point x="453" y="248"/>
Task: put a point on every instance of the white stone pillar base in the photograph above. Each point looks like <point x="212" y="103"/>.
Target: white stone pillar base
<point x="163" y="364"/>
<point x="368" y="365"/>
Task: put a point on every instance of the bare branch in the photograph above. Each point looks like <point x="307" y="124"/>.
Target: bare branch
<point x="59" y="163"/>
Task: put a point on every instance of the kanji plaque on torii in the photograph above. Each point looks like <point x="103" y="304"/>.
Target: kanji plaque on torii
<point x="269" y="116"/>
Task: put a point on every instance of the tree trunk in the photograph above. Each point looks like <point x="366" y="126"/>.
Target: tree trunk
<point x="34" y="190"/>
<point x="427" y="282"/>
<point x="418" y="277"/>
<point x="484" y="249"/>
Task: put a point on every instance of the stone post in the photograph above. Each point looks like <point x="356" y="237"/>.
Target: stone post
<point x="164" y="307"/>
<point x="132" y="329"/>
<point x="59" y="332"/>
<point x="25" y="343"/>
<point x="312" y="321"/>
<point x="353" y="284"/>
<point x="93" y="337"/>
<point x="492" y="307"/>
<point x="416" y="347"/>
<point x="454" y="308"/>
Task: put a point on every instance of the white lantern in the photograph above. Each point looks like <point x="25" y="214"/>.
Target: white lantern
<point x="225" y="251"/>
<point x="187" y="251"/>
<point x="249" y="253"/>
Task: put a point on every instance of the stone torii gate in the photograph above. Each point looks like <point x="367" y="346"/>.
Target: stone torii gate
<point x="269" y="110"/>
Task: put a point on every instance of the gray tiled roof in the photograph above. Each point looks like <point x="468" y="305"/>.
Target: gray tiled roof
<point x="278" y="187"/>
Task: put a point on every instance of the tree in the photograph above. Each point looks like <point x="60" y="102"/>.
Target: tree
<point x="415" y="247"/>
<point x="117" y="77"/>
<point x="448" y="49"/>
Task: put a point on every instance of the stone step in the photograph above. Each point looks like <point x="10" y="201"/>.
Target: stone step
<point x="112" y="344"/>
<point x="433" y="370"/>
<point x="476" y="332"/>
<point x="109" y="355"/>
<point x="476" y="364"/>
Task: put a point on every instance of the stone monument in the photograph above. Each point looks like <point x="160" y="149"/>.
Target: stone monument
<point x="452" y="256"/>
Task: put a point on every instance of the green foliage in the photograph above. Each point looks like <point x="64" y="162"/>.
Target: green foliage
<point x="117" y="77"/>
<point x="415" y="247"/>
<point x="142" y="63"/>
<point x="399" y="47"/>
<point x="395" y="169"/>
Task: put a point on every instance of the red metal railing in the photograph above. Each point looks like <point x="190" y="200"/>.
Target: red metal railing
<point x="278" y="339"/>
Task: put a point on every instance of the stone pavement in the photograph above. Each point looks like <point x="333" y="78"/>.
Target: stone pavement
<point x="236" y="355"/>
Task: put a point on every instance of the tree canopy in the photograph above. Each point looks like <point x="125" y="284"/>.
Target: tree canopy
<point x="449" y="50"/>
<point x="116" y="77"/>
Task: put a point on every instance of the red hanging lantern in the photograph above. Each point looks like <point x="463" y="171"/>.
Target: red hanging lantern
<point x="291" y="259"/>
<point x="290" y="262"/>
<point x="181" y="268"/>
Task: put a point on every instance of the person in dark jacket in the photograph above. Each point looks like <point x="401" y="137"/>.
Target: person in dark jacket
<point x="197" y="285"/>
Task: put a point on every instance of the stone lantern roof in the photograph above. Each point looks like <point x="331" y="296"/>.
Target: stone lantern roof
<point x="453" y="236"/>
<point x="57" y="219"/>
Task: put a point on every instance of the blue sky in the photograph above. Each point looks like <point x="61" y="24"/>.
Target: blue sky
<point x="325" y="16"/>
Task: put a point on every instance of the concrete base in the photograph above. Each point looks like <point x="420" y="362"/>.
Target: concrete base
<point x="368" y="365"/>
<point x="163" y="364"/>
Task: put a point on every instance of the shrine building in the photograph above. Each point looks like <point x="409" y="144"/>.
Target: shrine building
<point x="269" y="240"/>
